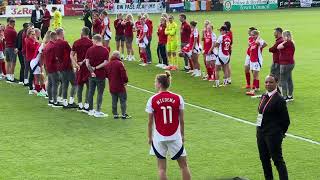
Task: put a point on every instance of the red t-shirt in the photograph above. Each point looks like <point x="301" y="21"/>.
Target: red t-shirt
<point x="209" y="39"/>
<point x="117" y="76"/>
<point x="63" y="50"/>
<point x="2" y="45"/>
<point x="256" y="51"/>
<point x="31" y="48"/>
<point x="224" y="48"/>
<point x="49" y="52"/>
<point x="250" y="41"/>
<point x="119" y="27"/>
<point x="96" y="56"/>
<point x="275" y="51"/>
<point x="166" y="108"/>
<point x="10" y="35"/>
<point x="138" y="27"/>
<point x="97" y="26"/>
<point x="46" y="19"/>
<point x="128" y="29"/>
<point x="81" y="46"/>
<point x="150" y="28"/>
<point x="287" y="53"/>
<point x="185" y="32"/>
<point x="161" y="34"/>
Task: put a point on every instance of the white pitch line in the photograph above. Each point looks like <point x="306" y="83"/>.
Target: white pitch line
<point x="231" y="117"/>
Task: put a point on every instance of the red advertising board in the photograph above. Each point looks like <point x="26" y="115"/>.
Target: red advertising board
<point x="73" y="9"/>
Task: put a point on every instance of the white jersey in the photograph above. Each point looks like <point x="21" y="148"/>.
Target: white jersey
<point x="106" y="22"/>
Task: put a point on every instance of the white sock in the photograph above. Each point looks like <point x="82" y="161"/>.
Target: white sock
<point x="80" y="105"/>
<point x="65" y="102"/>
<point x="26" y="81"/>
<point x="217" y="82"/>
<point x="12" y="77"/>
<point x="86" y="105"/>
<point x="71" y="100"/>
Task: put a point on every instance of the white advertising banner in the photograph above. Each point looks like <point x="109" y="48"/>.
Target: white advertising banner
<point x="26" y="10"/>
<point x="148" y="7"/>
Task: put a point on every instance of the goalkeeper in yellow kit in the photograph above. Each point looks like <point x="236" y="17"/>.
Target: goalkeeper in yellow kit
<point x="172" y="43"/>
<point x="57" y="18"/>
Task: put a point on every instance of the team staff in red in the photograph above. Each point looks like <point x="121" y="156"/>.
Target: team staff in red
<point x="128" y="33"/>
<point x="78" y="53"/>
<point x="166" y="127"/>
<point x="45" y="20"/>
<point x="275" y="67"/>
<point x="97" y="24"/>
<point x="65" y="69"/>
<point x="2" y="46"/>
<point x="286" y="61"/>
<point x="10" y="35"/>
<point x="185" y="32"/>
<point x="118" y="79"/>
<point x="49" y="53"/>
<point x="120" y="38"/>
<point x="96" y="59"/>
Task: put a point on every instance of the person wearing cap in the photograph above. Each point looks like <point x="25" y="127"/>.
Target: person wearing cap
<point x="275" y="67"/>
<point x="272" y="123"/>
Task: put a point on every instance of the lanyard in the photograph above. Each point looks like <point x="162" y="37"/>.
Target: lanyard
<point x="264" y="97"/>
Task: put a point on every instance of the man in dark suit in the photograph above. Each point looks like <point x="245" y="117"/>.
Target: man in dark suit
<point x="272" y="124"/>
<point x="36" y="17"/>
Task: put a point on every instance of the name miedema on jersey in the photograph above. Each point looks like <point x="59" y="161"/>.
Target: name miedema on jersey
<point x="164" y="100"/>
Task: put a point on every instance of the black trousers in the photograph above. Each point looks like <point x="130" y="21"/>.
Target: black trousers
<point x="270" y="148"/>
<point x="162" y="54"/>
<point x="44" y="30"/>
<point x="21" y="60"/>
<point x="37" y="25"/>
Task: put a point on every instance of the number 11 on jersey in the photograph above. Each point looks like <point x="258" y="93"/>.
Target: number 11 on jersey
<point x="164" y="111"/>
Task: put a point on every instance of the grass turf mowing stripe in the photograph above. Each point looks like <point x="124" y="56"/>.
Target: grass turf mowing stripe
<point x="231" y="117"/>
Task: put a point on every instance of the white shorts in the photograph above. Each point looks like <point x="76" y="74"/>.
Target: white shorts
<point x="222" y="60"/>
<point x="210" y="57"/>
<point x="1" y="55"/>
<point x="34" y="64"/>
<point x="247" y="61"/>
<point x="174" y="148"/>
<point x="197" y="50"/>
<point x="107" y="36"/>
<point x="142" y="45"/>
<point x="255" y="66"/>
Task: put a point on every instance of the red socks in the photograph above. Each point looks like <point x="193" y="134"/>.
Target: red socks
<point x="43" y="86"/>
<point x="3" y="67"/>
<point x="256" y="83"/>
<point x="143" y="56"/>
<point x="248" y="79"/>
<point x="210" y="72"/>
<point x="37" y="87"/>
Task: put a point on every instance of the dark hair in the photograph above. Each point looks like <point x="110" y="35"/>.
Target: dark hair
<point x="228" y="25"/>
<point x="8" y="19"/>
<point x="11" y="21"/>
<point x="105" y="13"/>
<point x="279" y="30"/>
<point x="85" y="31"/>
<point x="53" y="35"/>
<point x="97" y="38"/>
<point x="193" y="23"/>
<point x="54" y="8"/>
<point x="224" y="28"/>
<point x="252" y="28"/>
<point x="59" y="31"/>
<point x="164" y="79"/>
<point x="276" y="79"/>
<point x="25" y="25"/>
<point x="43" y="5"/>
<point x="183" y="16"/>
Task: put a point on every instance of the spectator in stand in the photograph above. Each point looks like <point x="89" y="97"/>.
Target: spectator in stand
<point x="120" y="38"/>
<point x="118" y="79"/>
<point x="128" y="32"/>
<point x="149" y="37"/>
<point x="45" y="20"/>
<point x="286" y="61"/>
<point x="161" y="50"/>
<point x="36" y="16"/>
<point x="275" y="67"/>
<point x="57" y="18"/>
<point x="96" y="59"/>
<point x="10" y="35"/>
<point x="97" y="24"/>
<point x="19" y="43"/>
<point x="185" y="32"/>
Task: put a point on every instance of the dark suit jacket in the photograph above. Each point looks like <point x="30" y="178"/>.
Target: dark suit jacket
<point x="34" y="17"/>
<point x="275" y="117"/>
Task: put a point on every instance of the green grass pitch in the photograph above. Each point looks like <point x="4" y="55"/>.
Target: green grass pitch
<point x="38" y="142"/>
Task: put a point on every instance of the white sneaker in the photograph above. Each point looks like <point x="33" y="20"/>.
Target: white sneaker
<point x="60" y="100"/>
<point x="91" y="112"/>
<point x="100" y="114"/>
<point x="132" y="58"/>
<point x="143" y="64"/>
<point x="32" y="92"/>
<point x="159" y="65"/>
<point x="20" y="83"/>
<point x="190" y="71"/>
<point x="198" y="74"/>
